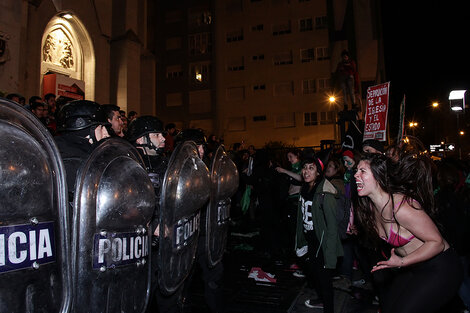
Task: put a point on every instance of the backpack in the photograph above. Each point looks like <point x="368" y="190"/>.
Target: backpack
<point x="343" y="212"/>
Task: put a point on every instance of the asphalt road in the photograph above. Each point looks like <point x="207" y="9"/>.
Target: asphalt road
<point x="243" y="294"/>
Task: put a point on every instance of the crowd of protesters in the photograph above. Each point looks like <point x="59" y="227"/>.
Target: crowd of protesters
<point x="408" y="216"/>
<point x="409" y="226"/>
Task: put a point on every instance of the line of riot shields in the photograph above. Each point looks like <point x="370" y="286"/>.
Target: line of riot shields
<point x="96" y="257"/>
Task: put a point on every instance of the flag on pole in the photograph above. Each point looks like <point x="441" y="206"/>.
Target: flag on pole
<point x="401" y="125"/>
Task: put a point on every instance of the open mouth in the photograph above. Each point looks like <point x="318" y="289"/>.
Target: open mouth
<point x="359" y="185"/>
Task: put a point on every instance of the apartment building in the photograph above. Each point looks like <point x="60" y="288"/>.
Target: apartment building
<point x="261" y="70"/>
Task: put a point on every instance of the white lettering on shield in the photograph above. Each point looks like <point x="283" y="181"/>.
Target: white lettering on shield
<point x="122" y="249"/>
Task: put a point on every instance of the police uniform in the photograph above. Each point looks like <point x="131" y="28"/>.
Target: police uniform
<point x="212" y="277"/>
<point x="75" y="121"/>
<point x="156" y="166"/>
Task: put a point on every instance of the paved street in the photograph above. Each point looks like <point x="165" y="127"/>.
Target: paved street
<point x="287" y="294"/>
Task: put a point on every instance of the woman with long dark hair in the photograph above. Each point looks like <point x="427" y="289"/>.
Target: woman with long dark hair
<point x="317" y="232"/>
<point x="396" y="205"/>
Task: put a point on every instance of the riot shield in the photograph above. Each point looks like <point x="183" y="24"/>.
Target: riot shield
<point x="113" y="206"/>
<point x="224" y="184"/>
<point x="184" y="191"/>
<point x="35" y="272"/>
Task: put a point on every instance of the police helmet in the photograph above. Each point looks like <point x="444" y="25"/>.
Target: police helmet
<point x="144" y="125"/>
<point x="77" y="115"/>
<point x="193" y="134"/>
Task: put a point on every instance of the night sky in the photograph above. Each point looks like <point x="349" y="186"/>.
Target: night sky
<point x="426" y="51"/>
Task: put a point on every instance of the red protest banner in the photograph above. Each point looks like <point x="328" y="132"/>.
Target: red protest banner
<point x="376" y="114"/>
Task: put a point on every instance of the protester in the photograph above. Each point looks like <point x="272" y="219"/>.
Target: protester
<point x="14" y="97"/>
<point x="40" y="111"/>
<point x="132" y="116"/>
<point x="291" y="202"/>
<point x="335" y="172"/>
<point x="452" y="198"/>
<point x="317" y="232"/>
<point x="373" y="146"/>
<point x="396" y="205"/>
<point x="125" y="122"/>
<point x="348" y="79"/>
<point x="113" y="117"/>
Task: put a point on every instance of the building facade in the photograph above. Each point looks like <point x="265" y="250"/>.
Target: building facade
<point x="106" y="45"/>
<point x="256" y="71"/>
<point x="248" y="71"/>
<point x="186" y="85"/>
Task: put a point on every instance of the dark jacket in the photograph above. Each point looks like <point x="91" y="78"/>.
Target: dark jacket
<point x="322" y="211"/>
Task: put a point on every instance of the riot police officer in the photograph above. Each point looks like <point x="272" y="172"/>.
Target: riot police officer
<point x="196" y="135"/>
<point x="211" y="276"/>
<point x="80" y="130"/>
<point x="146" y="134"/>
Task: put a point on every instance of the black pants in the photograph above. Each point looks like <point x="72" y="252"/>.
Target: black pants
<point x="320" y="277"/>
<point x="426" y="286"/>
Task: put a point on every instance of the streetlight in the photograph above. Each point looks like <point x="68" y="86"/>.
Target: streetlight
<point x="435" y="104"/>
<point x="457" y="104"/>
<point x="413" y="125"/>
<point x="332" y="100"/>
<point x="457" y="100"/>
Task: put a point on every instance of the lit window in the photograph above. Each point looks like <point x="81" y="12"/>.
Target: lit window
<point x="200" y="72"/>
<point x="199" y="18"/>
